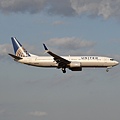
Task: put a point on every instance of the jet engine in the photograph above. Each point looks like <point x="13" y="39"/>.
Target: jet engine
<point x="75" y="66"/>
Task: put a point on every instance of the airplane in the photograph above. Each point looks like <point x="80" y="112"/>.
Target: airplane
<point x="74" y="63"/>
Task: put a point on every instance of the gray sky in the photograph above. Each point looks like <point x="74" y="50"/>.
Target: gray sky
<point x="69" y="27"/>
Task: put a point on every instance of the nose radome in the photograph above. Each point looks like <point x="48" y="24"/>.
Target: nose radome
<point x="116" y="62"/>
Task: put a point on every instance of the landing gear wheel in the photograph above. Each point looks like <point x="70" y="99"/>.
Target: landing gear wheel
<point x="63" y="70"/>
<point x="107" y="70"/>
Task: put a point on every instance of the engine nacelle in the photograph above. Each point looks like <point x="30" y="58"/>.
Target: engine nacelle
<point x="75" y="66"/>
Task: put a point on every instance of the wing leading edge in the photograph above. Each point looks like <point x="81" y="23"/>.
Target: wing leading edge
<point x="62" y="63"/>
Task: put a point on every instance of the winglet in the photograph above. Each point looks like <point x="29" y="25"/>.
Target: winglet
<point x="45" y="47"/>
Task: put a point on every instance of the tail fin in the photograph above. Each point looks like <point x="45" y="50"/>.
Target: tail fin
<point x="19" y="49"/>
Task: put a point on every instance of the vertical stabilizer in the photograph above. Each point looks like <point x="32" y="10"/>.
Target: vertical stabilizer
<point x="18" y="48"/>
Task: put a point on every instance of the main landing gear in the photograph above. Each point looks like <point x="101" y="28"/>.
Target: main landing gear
<point x="64" y="70"/>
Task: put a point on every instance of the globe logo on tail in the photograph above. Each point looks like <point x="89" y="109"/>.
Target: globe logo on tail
<point x="21" y="52"/>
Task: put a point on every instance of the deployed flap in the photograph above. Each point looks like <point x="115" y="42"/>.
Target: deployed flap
<point x="57" y="58"/>
<point x="15" y="57"/>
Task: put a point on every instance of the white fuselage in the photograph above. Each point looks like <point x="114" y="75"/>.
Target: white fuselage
<point x="85" y="61"/>
<point x="74" y="63"/>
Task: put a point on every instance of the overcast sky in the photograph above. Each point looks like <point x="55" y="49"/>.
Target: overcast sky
<point x="68" y="27"/>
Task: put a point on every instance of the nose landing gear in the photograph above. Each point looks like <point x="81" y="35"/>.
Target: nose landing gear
<point x="107" y="70"/>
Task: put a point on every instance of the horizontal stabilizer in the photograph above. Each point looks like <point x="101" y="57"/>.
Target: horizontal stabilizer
<point x="15" y="57"/>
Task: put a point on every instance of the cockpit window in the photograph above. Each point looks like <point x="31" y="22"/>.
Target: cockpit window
<point x="112" y="59"/>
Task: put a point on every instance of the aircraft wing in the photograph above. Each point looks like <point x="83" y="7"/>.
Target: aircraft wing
<point x="61" y="61"/>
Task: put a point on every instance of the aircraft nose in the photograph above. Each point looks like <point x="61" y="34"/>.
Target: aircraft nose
<point x="116" y="62"/>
